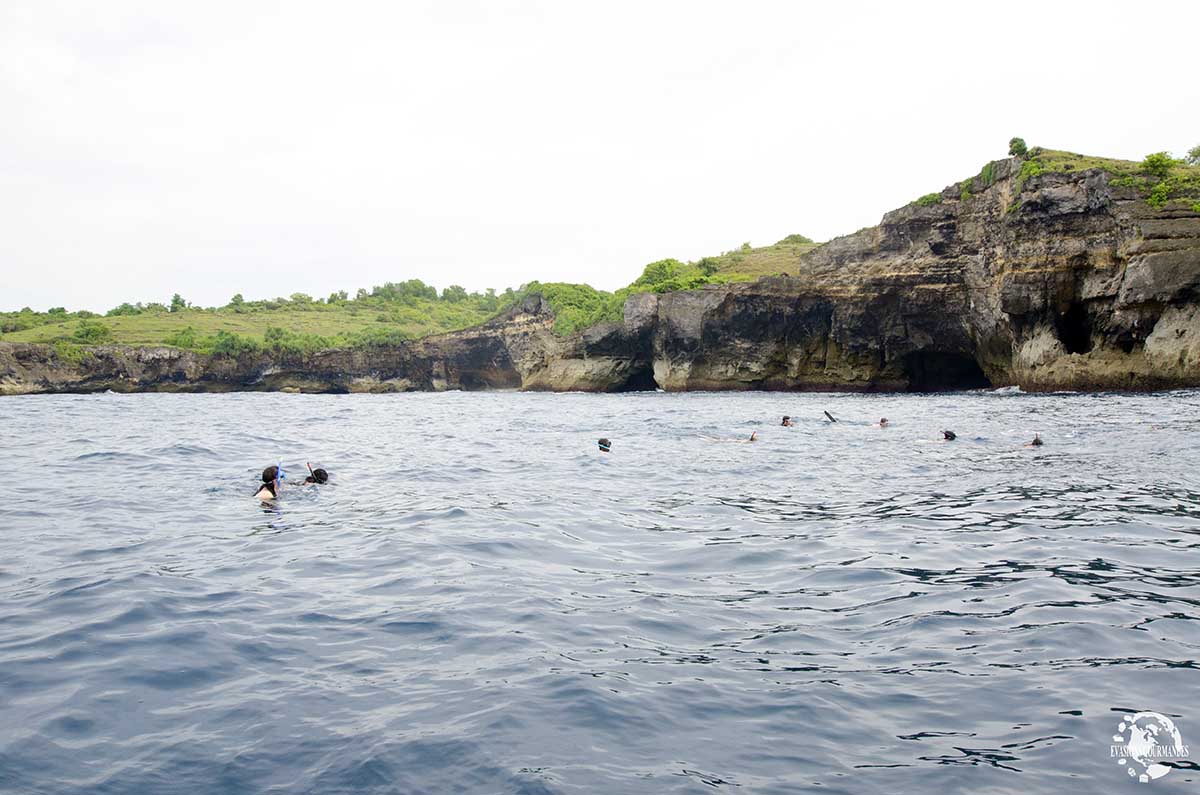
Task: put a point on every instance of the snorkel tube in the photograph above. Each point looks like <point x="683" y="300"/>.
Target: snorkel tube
<point x="278" y="475"/>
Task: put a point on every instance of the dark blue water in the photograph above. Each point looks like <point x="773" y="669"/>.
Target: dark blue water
<point x="480" y="602"/>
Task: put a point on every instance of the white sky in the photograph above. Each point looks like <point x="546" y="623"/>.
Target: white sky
<point x="267" y="148"/>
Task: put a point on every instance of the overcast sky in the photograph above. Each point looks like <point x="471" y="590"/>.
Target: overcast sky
<point x="210" y="148"/>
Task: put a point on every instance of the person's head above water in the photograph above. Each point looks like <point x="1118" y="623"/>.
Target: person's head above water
<point x="605" y="445"/>
<point x="271" y="476"/>
<point x="1037" y="440"/>
<point x="786" y="420"/>
<point x="949" y="436"/>
<point x="318" y="476"/>
<point x="883" y="422"/>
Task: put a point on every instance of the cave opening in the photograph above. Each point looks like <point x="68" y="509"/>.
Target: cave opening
<point x="1074" y="329"/>
<point x="933" y="371"/>
<point x="641" y="379"/>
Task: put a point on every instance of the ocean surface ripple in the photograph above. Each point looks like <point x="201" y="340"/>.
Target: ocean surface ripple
<point x="480" y="602"/>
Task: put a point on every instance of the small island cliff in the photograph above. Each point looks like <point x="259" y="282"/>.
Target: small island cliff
<point x="1047" y="281"/>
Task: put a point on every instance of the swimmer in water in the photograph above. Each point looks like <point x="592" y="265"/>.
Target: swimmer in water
<point x="1037" y="441"/>
<point x="882" y="423"/>
<point x="272" y="479"/>
<point x="949" y="436"/>
<point x="605" y="445"/>
<point x="787" y="421"/>
<point x="316" y="476"/>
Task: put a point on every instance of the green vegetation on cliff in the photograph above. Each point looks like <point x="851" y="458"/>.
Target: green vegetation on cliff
<point x="579" y="306"/>
<point x="1159" y="177"/>
<point x="390" y="313"/>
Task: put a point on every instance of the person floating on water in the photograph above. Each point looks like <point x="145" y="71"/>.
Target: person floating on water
<point x="272" y="480"/>
<point x="316" y="476"/>
<point x="1037" y="441"/>
<point x="605" y="445"/>
<point x="882" y="423"/>
<point x="949" y="436"/>
<point x="787" y="421"/>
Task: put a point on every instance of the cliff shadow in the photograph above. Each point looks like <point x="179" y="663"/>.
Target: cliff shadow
<point x="937" y="371"/>
<point x="640" y="379"/>
<point x="1074" y="329"/>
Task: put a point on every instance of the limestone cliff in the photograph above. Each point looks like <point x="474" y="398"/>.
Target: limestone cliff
<point x="1051" y="281"/>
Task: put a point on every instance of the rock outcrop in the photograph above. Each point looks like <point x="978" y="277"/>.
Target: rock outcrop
<point x="1058" y="281"/>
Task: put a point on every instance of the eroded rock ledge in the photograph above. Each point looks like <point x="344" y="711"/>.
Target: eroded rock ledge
<point x="1065" y="282"/>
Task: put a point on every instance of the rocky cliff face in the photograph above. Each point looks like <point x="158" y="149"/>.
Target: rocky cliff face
<point x="1060" y="281"/>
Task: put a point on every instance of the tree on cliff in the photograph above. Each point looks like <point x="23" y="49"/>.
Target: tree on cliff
<point x="454" y="293"/>
<point x="1017" y="147"/>
<point x="177" y="303"/>
<point x="1193" y="156"/>
<point x="1158" y="164"/>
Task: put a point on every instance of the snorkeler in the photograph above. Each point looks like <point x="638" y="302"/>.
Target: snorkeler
<point x="1037" y="441"/>
<point x="605" y="445"/>
<point x="882" y="423"/>
<point x="272" y="479"/>
<point x="787" y="421"/>
<point x="316" y="476"/>
<point x="949" y="436"/>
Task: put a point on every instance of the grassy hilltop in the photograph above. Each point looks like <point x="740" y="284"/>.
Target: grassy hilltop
<point x="1160" y="178"/>
<point x="387" y="314"/>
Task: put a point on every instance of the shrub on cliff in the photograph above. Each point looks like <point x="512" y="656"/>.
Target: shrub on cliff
<point x="795" y="239"/>
<point x="68" y="352"/>
<point x="577" y="306"/>
<point x="929" y="199"/>
<point x="1017" y="147"/>
<point x="378" y="338"/>
<point x="233" y="345"/>
<point x="454" y="293"/>
<point x="125" y="309"/>
<point x="282" y="340"/>
<point x="91" y="332"/>
<point x="1193" y="156"/>
<point x="1030" y="168"/>
<point x="17" y="321"/>
<point x="1159" y="164"/>
<point x="184" y="338"/>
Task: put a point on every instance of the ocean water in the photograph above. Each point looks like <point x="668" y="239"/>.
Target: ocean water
<point x="480" y="602"/>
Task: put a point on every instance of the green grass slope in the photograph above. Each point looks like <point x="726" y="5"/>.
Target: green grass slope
<point x="390" y="313"/>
